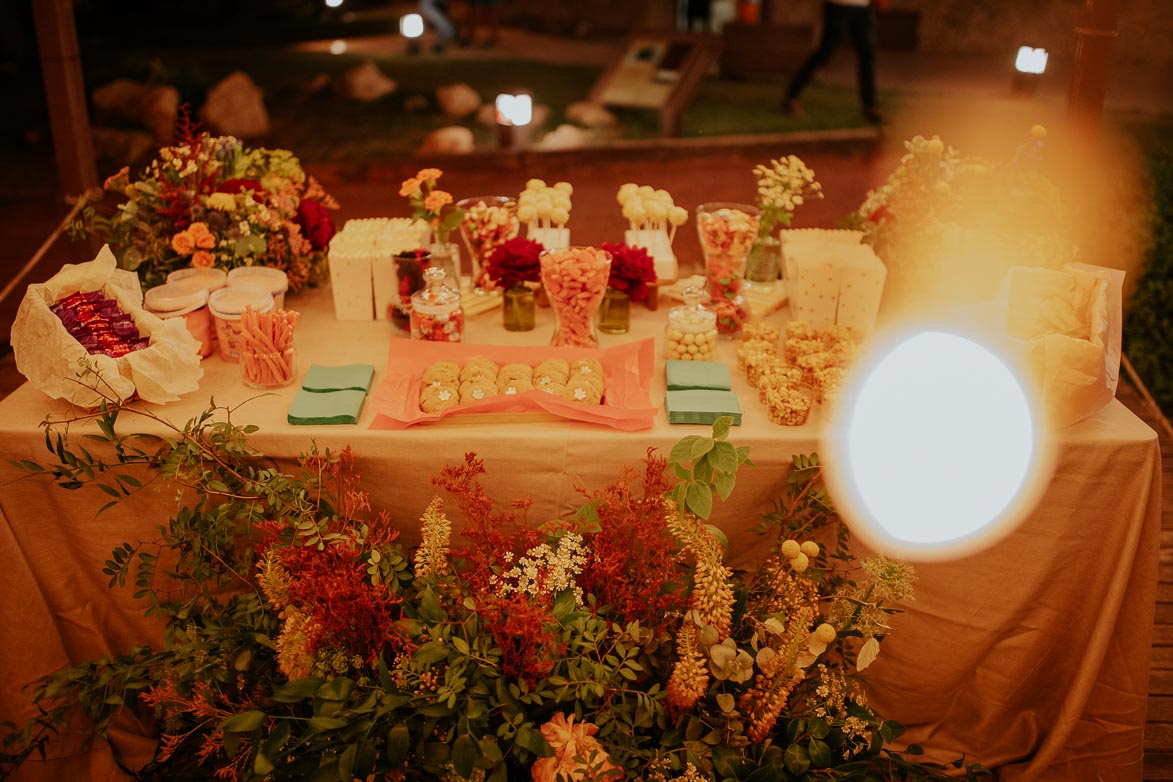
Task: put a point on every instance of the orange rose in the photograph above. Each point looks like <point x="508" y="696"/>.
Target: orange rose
<point x="202" y="237"/>
<point x="578" y="755"/>
<point x="429" y="174"/>
<point x="203" y="259"/>
<point x="437" y="199"/>
<point x="182" y="243"/>
<point x="409" y="186"/>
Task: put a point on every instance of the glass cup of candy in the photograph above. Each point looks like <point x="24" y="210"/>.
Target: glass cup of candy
<point x="727" y="232"/>
<point x="575" y="279"/>
<point x="489" y="222"/>
<point x="436" y="314"/>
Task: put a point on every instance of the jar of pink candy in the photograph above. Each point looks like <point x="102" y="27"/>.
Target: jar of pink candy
<point x="575" y="279"/>
<point x="489" y="222"/>
<point x="727" y="232"/>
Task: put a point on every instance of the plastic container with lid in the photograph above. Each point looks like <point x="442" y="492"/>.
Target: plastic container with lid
<point x="227" y="305"/>
<point x="187" y="300"/>
<point x="436" y="314"/>
<point x="210" y="279"/>
<point x="691" y="334"/>
<point x="273" y="280"/>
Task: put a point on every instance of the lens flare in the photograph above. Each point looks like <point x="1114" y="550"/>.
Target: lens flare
<point x="411" y="26"/>
<point x="935" y="449"/>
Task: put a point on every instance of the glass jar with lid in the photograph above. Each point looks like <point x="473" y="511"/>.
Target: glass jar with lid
<point x="436" y="314"/>
<point x="691" y="334"/>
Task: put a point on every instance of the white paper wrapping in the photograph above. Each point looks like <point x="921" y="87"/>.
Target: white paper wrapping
<point x="832" y="280"/>
<point x="53" y="361"/>
<point x="1068" y="324"/>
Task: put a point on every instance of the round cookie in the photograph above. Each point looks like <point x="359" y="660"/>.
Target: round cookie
<point x="556" y="368"/>
<point x="443" y="371"/>
<point x="581" y="390"/>
<point x="438" y="397"/>
<point x="596" y="381"/>
<point x="586" y="366"/>
<point x="478" y="367"/>
<point x="477" y="388"/>
<point x="513" y="386"/>
<point x="552" y="388"/>
<point x="516" y="369"/>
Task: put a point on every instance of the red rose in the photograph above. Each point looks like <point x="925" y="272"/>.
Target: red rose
<point x="514" y="262"/>
<point x="631" y="270"/>
<point x="315" y="222"/>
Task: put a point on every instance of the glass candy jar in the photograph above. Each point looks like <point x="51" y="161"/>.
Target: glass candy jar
<point x="691" y="334"/>
<point x="436" y="314"/>
<point x="575" y="279"/>
<point x="409" y="278"/>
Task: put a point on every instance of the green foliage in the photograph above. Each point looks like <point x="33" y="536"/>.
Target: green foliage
<point x="1148" y="329"/>
<point x="705" y="466"/>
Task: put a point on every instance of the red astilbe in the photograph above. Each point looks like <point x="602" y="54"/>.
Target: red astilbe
<point x="632" y="566"/>
<point x="525" y="632"/>
<point x="632" y="269"/>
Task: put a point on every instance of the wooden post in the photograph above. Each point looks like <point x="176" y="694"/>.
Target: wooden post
<point x="65" y="95"/>
<point x="1095" y="41"/>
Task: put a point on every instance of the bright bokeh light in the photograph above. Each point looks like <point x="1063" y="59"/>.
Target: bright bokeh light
<point x="1030" y="60"/>
<point x="411" y="25"/>
<point x="514" y="109"/>
<point x="935" y="448"/>
<point x="333" y="3"/>
<point x="338" y="47"/>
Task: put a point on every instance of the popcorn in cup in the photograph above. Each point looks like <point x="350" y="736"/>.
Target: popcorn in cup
<point x="227" y="306"/>
<point x="273" y="280"/>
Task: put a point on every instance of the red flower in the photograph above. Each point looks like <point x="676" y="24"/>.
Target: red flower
<point x="514" y="262"/>
<point x="315" y="222"/>
<point x="631" y="270"/>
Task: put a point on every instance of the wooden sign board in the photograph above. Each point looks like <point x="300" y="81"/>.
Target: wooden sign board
<point x="657" y="71"/>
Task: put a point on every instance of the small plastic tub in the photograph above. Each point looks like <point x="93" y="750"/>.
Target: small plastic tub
<point x="188" y="301"/>
<point x="227" y="305"/>
<point x="273" y="280"/>
<point x="208" y="279"/>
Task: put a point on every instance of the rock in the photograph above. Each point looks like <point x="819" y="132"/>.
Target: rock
<point x="458" y="100"/>
<point x="590" y="114"/>
<point x="366" y="83"/>
<point x="120" y="147"/>
<point x="565" y="137"/>
<point x="150" y="106"/>
<point x="452" y="140"/>
<point x="236" y="107"/>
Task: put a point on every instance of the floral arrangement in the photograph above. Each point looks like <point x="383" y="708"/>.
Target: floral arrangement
<point x="210" y="201"/>
<point x="783" y="186"/>
<point x="304" y="641"/>
<point x="515" y="262"/>
<point x="632" y="270"/>
<point x="430" y="204"/>
<point x="948" y="225"/>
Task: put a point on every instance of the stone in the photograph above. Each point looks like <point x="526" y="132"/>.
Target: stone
<point x="458" y="100"/>
<point x="235" y="106"/>
<point x="366" y="83"/>
<point x="565" y="137"/>
<point x="590" y="114"/>
<point x="150" y="106"/>
<point x="119" y="147"/>
<point x="452" y="140"/>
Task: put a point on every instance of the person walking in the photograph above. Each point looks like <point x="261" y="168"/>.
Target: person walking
<point x="856" y="18"/>
<point x="436" y="12"/>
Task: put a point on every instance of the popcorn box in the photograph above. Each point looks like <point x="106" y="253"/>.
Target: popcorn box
<point x="362" y="264"/>
<point x="551" y="238"/>
<point x="659" y="247"/>
<point x="351" y="282"/>
<point x="834" y="282"/>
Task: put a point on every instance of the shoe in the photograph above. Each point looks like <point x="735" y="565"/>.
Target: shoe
<point x="873" y="117"/>
<point x="791" y="108"/>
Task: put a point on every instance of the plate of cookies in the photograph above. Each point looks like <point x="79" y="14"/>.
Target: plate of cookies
<point x="430" y="381"/>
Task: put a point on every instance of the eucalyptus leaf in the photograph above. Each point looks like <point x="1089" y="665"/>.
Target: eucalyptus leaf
<point x="243" y="723"/>
<point x="397" y="746"/>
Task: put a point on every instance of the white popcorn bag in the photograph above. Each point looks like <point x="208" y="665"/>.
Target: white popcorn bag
<point x="834" y="281"/>
<point x="54" y="362"/>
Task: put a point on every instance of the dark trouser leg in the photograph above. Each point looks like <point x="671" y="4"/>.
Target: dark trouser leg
<point x="862" y="28"/>
<point x="833" y="24"/>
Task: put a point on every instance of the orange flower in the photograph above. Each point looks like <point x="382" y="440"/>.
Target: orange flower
<point x="409" y="186"/>
<point x="436" y="200"/>
<point x="578" y="755"/>
<point x="182" y="243"/>
<point x="202" y="237"/>
<point x="429" y="175"/>
<point x="202" y="259"/>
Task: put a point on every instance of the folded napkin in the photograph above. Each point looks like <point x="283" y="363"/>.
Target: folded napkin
<point x="311" y="408"/>
<point x="701" y="406"/>
<point x="697" y="374"/>
<point x="350" y="376"/>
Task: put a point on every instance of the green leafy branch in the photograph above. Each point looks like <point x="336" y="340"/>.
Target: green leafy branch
<point x="704" y="466"/>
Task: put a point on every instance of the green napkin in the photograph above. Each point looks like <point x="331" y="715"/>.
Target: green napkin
<point x="697" y="374"/>
<point x="353" y="376"/>
<point x="311" y="408"/>
<point x="701" y="406"/>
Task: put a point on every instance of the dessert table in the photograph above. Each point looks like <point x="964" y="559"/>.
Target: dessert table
<point x="1031" y="656"/>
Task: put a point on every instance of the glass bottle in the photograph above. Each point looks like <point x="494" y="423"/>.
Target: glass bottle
<point x="518" y="308"/>
<point x="409" y="278"/>
<point x="765" y="263"/>
<point x="615" y="312"/>
<point x="691" y="334"/>
<point x="436" y="314"/>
